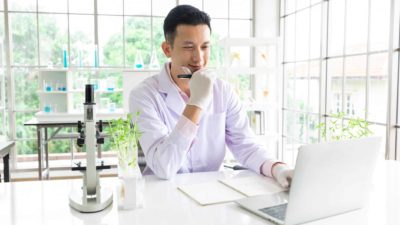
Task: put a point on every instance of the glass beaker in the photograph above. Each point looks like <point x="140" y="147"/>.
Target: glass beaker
<point x="154" y="64"/>
<point x="110" y="84"/>
<point x="138" y="60"/>
<point x="112" y="107"/>
<point x="47" y="86"/>
<point x="47" y="108"/>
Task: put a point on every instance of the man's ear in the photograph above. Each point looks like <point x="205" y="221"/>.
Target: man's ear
<point x="166" y="47"/>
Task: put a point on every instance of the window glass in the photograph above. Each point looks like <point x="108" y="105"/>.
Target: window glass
<point x="114" y="7"/>
<point x="81" y="6"/>
<point x="82" y="40"/>
<point x="356" y="26"/>
<point x="24" y="38"/>
<point x="315" y="32"/>
<point x="216" y="9"/>
<point x="196" y="3"/>
<point x="137" y="7"/>
<point x="314" y="84"/>
<point x="289" y="82"/>
<point x="301" y="86"/>
<point x="26" y="147"/>
<point x="111" y="41"/>
<point x="355" y="86"/>
<point x="239" y="28"/>
<point x="335" y="86"/>
<point x="59" y="6"/>
<point x="2" y="58"/>
<point x="162" y="7"/>
<point x="336" y="27"/>
<point x="24" y="131"/>
<point x="158" y="39"/>
<point x="378" y="83"/>
<point x="240" y="9"/>
<point x="26" y="87"/>
<point x="290" y="38"/>
<point x="380" y="21"/>
<point x="302" y="35"/>
<point x="312" y="129"/>
<point x="22" y="5"/>
<point x="137" y="34"/>
<point x="53" y="38"/>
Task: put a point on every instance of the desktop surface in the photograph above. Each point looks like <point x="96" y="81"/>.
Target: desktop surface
<point x="46" y="202"/>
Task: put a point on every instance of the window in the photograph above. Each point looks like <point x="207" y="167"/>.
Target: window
<point x="336" y="58"/>
<point x="40" y="30"/>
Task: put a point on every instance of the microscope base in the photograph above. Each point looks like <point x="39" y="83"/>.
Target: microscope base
<point x="92" y="204"/>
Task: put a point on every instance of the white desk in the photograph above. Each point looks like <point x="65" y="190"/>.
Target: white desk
<point x="5" y="148"/>
<point x="46" y="202"/>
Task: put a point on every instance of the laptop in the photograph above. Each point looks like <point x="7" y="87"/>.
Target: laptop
<point x="329" y="179"/>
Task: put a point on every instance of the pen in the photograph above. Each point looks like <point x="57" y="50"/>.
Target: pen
<point x="236" y="167"/>
<point x="185" y="76"/>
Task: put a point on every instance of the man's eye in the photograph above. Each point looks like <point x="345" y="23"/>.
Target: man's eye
<point x="205" y="47"/>
<point x="187" y="47"/>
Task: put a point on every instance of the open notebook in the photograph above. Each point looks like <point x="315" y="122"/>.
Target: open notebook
<point x="227" y="190"/>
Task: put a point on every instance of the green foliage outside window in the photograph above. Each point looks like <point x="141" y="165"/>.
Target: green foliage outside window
<point x="338" y="128"/>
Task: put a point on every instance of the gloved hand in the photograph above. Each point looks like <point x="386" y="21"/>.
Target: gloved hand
<point x="201" y="88"/>
<point x="282" y="174"/>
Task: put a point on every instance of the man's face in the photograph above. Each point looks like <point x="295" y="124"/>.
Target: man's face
<point x="191" y="48"/>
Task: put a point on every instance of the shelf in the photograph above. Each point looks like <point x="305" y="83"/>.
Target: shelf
<point x="66" y="101"/>
<point x="52" y="92"/>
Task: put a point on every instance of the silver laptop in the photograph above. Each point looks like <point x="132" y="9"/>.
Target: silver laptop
<point x="329" y="179"/>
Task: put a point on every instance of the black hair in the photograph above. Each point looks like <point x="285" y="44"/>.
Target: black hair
<point x="183" y="14"/>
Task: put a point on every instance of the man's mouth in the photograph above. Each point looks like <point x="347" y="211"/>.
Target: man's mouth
<point x="194" y="68"/>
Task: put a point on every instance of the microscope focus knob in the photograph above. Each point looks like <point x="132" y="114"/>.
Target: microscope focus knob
<point x="79" y="126"/>
<point x="100" y="140"/>
<point x="80" y="142"/>
<point x="100" y="125"/>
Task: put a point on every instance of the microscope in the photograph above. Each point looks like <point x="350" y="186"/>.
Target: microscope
<point x="91" y="197"/>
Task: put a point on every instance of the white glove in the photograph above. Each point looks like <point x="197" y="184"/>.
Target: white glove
<point x="282" y="174"/>
<point x="201" y="88"/>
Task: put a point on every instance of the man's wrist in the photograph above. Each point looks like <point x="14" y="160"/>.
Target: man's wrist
<point x="193" y="113"/>
<point x="273" y="167"/>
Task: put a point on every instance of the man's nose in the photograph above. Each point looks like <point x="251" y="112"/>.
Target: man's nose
<point x="197" y="54"/>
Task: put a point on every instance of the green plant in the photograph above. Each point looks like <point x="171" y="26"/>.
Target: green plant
<point x="125" y="136"/>
<point x="339" y="128"/>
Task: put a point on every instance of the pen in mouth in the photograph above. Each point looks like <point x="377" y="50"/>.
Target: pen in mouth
<point x="183" y="76"/>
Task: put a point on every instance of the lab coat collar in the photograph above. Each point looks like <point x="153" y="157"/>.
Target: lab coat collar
<point x="173" y="99"/>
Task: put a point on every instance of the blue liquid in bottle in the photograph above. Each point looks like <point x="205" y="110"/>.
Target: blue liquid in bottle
<point x="65" y="57"/>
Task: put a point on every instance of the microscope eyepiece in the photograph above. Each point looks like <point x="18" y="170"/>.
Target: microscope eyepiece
<point x="89" y="94"/>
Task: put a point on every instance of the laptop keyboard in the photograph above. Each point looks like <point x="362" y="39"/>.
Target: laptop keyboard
<point x="278" y="211"/>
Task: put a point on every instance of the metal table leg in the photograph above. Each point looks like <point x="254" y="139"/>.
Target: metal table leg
<point x="46" y="148"/>
<point x="39" y="143"/>
<point x="6" y="161"/>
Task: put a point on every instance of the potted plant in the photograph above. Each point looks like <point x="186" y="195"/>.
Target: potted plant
<point x="125" y="136"/>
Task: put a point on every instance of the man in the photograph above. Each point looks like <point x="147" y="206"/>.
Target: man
<point x="188" y="123"/>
